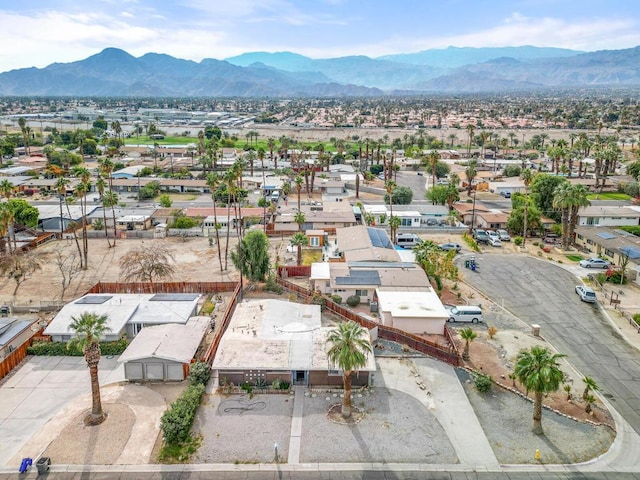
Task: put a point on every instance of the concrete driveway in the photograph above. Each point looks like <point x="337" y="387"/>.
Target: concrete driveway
<point x="540" y="292"/>
<point x="38" y="390"/>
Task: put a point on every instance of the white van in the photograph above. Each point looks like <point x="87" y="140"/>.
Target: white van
<point x="275" y="196"/>
<point x="407" y="240"/>
<point x="465" y="313"/>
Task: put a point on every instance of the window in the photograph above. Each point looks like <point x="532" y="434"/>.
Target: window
<point x="406" y="222"/>
<point x="362" y="293"/>
<point x="593" y="220"/>
<point x="608" y="253"/>
<point x="335" y="373"/>
<point x="580" y="237"/>
<point x="314" y="241"/>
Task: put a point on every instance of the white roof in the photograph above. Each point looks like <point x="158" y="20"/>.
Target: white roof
<point x="320" y="271"/>
<point x="168" y="342"/>
<point x="412" y="304"/>
<point x="126" y="308"/>
<point x="53" y="211"/>
<point x="134" y="218"/>
<point x="375" y="209"/>
<point x="275" y="335"/>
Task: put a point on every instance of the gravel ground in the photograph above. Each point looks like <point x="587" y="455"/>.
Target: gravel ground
<point x="506" y="419"/>
<point x="237" y="429"/>
<point x="395" y="428"/>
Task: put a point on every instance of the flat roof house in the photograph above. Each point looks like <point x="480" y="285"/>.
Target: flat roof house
<point x="269" y="340"/>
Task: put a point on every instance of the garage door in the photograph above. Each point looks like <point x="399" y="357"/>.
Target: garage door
<point x="154" y="371"/>
<point x="174" y="372"/>
<point x="133" y="371"/>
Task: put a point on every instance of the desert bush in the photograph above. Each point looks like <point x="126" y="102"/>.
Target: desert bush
<point x="518" y="240"/>
<point x="337" y="299"/>
<point x="491" y="331"/>
<point x="483" y="382"/>
<point x="199" y="373"/>
<point x="271" y="285"/>
<point x="353" y="301"/>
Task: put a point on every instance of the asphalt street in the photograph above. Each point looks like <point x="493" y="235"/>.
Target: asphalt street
<point x="539" y="292"/>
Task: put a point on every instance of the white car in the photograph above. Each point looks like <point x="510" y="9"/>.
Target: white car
<point x="495" y="241"/>
<point x="594" y="263"/>
<point x="586" y="294"/>
<point x="504" y="236"/>
<point x="493" y="234"/>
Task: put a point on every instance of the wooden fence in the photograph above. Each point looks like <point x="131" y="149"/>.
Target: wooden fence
<point x="210" y="354"/>
<point x="288" y="271"/>
<point x="446" y="353"/>
<point x="164" y="287"/>
<point x="13" y="359"/>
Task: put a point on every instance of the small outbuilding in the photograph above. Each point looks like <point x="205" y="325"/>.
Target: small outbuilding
<point x="164" y="352"/>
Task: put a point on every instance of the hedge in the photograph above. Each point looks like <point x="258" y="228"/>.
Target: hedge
<point x="59" y="349"/>
<point x="176" y="422"/>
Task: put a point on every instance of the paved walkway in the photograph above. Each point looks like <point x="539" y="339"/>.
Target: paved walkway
<point x="296" y="427"/>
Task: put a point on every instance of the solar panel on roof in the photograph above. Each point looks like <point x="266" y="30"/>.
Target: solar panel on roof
<point x="174" y="297"/>
<point x="632" y="252"/>
<point x="93" y="299"/>
<point x="606" y="235"/>
<point x="360" y="277"/>
<point x="379" y="238"/>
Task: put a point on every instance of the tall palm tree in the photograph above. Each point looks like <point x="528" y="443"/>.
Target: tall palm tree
<point x="527" y="177"/>
<point x="349" y="351"/>
<point x="6" y="219"/>
<point x="229" y="180"/>
<point x="88" y="328"/>
<point x="81" y="192"/>
<point x="101" y="187"/>
<point x="577" y="199"/>
<point x="299" y="240"/>
<point x="470" y="129"/>
<point x="213" y="181"/>
<point x="471" y="172"/>
<point x="271" y="145"/>
<point x="538" y="370"/>
<point x="433" y="158"/>
<point x="106" y="169"/>
<point x="562" y="201"/>
<point x="390" y="186"/>
<point x="468" y="336"/>
<point x="394" y="223"/>
<point x="298" y="181"/>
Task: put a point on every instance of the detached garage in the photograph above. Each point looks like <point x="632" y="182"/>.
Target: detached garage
<point x="164" y="352"/>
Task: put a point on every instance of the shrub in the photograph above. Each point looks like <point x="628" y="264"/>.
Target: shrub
<point x="271" y="285"/>
<point x="59" y="349"/>
<point x="518" y="240"/>
<point x="492" y="331"/>
<point x="165" y="200"/>
<point x="615" y="278"/>
<point x="483" y="382"/>
<point x="636" y="318"/>
<point x="353" y="301"/>
<point x="199" y="373"/>
<point x="176" y="422"/>
<point x="337" y="299"/>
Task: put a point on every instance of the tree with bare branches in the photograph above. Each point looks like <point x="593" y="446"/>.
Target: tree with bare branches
<point x="19" y="267"/>
<point x="148" y="263"/>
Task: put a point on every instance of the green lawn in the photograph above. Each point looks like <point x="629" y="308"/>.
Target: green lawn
<point x="574" y="258"/>
<point x="608" y="196"/>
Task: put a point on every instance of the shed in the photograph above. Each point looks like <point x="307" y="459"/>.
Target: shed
<point x="164" y="352"/>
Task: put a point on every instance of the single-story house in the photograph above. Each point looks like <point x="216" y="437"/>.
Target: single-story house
<point x="13" y="333"/>
<point x="127" y="314"/>
<point x="128" y="172"/>
<point x="316" y="220"/>
<point x="164" y="352"/>
<point x="133" y="222"/>
<point x="612" y="244"/>
<point x="51" y="216"/>
<point x="365" y="244"/>
<point x="491" y="220"/>
<point x="412" y="311"/>
<point x="269" y="340"/>
<point x="609" y="216"/>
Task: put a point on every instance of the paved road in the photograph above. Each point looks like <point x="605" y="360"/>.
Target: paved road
<point x="540" y="292"/>
<point x="352" y="473"/>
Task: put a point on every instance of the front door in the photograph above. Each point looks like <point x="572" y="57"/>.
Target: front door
<point x="299" y="377"/>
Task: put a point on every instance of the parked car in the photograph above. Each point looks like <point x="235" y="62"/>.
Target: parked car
<point x="504" y="236"/>
<point x="493" y="234"/>
<point x="450" y="246"/>
<point x="432" y="221"/>
<point x="586" y="294"/>
<point x="495" y="242"/>
<point x="594" y="263"/>
<point x="551" y="238"/>
<point x="464" y="313"/>
<point x="506" y="194"/>
<point x="480" y="236"/>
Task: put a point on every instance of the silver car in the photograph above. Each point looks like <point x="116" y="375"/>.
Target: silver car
<point x="586" y="294"/>
<point x="504" y="236"/>
<point x="594" y="263"/>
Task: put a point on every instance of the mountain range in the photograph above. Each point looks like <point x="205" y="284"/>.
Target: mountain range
<point x="114" y="72"/>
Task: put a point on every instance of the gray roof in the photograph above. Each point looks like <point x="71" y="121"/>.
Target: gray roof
<point x="168" y="342"/>
<point x="10" y="327"/>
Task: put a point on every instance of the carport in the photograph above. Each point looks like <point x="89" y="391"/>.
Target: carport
<point x="164" y="352"/>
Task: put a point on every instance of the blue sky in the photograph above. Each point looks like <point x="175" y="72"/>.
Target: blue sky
<point x="40" y="32"/>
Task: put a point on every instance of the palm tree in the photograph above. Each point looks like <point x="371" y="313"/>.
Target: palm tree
<point x="298" y="181"/>
<point x="229" y="179"/>
<point x="81" y="192"/>
<point x="470" y="129"/>
<point x="577" y="199"/>
<point x="101" y="186"/>
<point x="349" y="352"/>
<point x="433" y="159"/>
<point x="394" y="223"/>
<point x="6" y="188"/>
<point x="106" y="169"/>
<point x="213" y="181"/>
<point x="299" y="218"/>
<point x="590" y="385"/>
<point x="299" y="240"/>
<point x="88" y="328"/>
<point x="562" y="201"/>
<point x="527" y="177"/>
<point x="271" y="145"/>
<point x="538" y="370"/>
<point x="471" y="171"/>
<point x="468" y="336"/>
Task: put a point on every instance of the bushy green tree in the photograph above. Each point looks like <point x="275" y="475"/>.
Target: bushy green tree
<point x="252" y="257"/>
<point x="400" y="196"/>
<point x="543" y="187"/>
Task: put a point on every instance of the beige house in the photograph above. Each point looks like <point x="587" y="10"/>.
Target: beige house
<point x="365" y="244"/>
